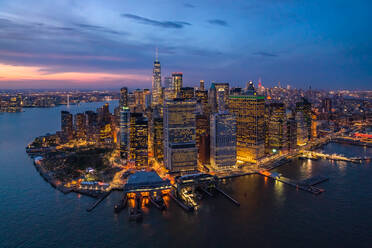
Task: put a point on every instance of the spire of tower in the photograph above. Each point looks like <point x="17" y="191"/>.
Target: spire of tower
<point x="156" y="54"/>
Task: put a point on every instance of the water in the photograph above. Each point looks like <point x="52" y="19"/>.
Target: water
<point x="34" y="214"/>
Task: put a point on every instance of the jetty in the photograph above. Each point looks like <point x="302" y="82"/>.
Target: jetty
<point x="95" y="204"/>
<point x="228" y="197"/>
<point x="305" y="185"/>
<point x="334" y="157"/>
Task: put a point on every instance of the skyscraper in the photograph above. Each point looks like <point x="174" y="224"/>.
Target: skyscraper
<point x="249" y="111"/>
<point x="177" y="83"/>
<point x="156" y="82"/>
<point x="158" y="139"/>
<point x="66" y="125"/>
<point x="223" y="141"/>
<point x="123" y="102"/>
<point x="222" y="95"/>
<point x="275" y="128"/>
<point x="203" y="138"/>
<point x="180" y="152"/>
<point x="201" y="86"/>
<point x="80" y="126"/>
<point x="139" y="139"/>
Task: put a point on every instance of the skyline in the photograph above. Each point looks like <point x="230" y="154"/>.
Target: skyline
<point x="71" y="44"/>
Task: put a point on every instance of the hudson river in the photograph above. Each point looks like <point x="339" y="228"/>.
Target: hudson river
<point x="34" y="214"/>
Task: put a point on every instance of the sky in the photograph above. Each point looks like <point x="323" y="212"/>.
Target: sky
<point x="96" y="44"/>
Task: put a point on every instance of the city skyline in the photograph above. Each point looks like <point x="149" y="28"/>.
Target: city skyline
<point x="70" y="44"/>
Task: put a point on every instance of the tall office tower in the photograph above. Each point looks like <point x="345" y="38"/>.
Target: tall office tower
<point x="249" y="88"/>
<point x="249" y="111"/>
<point x="212" y="98"/>
<point x="221" y="101"/>
<point x="302" y="130"/>
<point x="123" y="102"/>
<point x="203" y="138"/>
<point x="291" y="133"/>
<point x="167" y="82"/>
<point x="177" y="83"/>
<point x="202" y="99"/>
<point x="179" y="135"/>
<point x="67" y="125"/>
<point x="147" y="98"/>
<point x="305" y="107"/>
<point x="124" y="131"/>
<point x="201" y="87"/>
<point x="156" y="82"/>
<point x="138" y="97"/>
<point x="223" y="141"/>
<point x="187" y="93"/>
<point x="158" y="143"/>
<point x="275" y="128"/>
<point x="222" y="90"/>
<point x="92" y="125"/>
<point x="80" y="126"/>
<point x="104" y="115"/>
<point x="314" y="126"/>
<point x="327" y="105"/>
<point x="138" y="140"/>
<point x="131" y="100"/>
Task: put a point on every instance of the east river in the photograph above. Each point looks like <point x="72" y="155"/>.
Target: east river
<point x="34" y="214"/>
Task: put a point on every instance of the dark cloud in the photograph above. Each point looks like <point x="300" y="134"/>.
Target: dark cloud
<point x="163" y="24"/>
<point x="265" y="54"/>
<point x="218" y="22"/>
<point x="189" y="5"/>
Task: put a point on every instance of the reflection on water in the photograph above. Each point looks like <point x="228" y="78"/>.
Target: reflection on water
<point x="34" y="214"/>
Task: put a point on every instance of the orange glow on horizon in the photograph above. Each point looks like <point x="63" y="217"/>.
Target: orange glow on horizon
<point x="19" y="73"/>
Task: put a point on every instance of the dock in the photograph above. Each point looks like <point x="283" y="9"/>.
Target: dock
<point x="308" y="188"/>
<point x="228" y="197"/>
<point x="313" y="180"/>
<point x="99" y="201"/>
<point x="188" y="209"/>
<point x="334" y="157"/>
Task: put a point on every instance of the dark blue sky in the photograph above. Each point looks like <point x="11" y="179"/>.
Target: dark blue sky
<point x="108" y="44"/>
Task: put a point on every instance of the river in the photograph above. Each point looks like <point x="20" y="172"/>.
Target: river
<point x="34" y="214"/>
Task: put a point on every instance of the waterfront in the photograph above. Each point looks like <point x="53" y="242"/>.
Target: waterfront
<point x="34" y="214"/>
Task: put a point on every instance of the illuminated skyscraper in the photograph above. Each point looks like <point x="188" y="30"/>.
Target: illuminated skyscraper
<point x="158" y="139"/>
<point x="212" y="98"/>
<point x="139" y="140"/>
<point x="305" y="107"/>
<point x="249" y="111"/>
<point x="223" y="141"/>
<point x="203" y="138"/>
<point x="167" y="82"/>
<point x="222" y="95"/>
<point x="202" y="99"/>
<point x="156" y="82"/>
<point x="302" y="130"/>
<point x="275" y="128"/>
<point x="124" y="131"/>
<point x="180" y="152"/>
<point x="92" y="125"/>
<point x="67" y="125"/>
<point x="123" y="102"/>
<point x="201" y="87"/>
<point x="177" y="83"/>
<point x="80" y="126"/>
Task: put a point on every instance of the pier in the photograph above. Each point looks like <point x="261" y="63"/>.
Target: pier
<point x="99" y="201"/>
<point x="228" y="197"/>
<point x="305" y="185"/>
<point x="334" y="157"/>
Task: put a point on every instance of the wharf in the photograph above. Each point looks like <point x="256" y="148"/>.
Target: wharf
<point x="99" y="200"/>
<point x="297" y="185"/>
<point x="228" y="197"/>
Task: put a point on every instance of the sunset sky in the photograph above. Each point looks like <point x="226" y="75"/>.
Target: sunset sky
<point x="110" y="44"/>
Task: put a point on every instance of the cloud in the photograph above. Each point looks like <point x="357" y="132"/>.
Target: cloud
<point x="189" y="5"/>
<point x="218" y="22"/>
<point x="163" y="24"/>
<point x="265" y="54"/>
